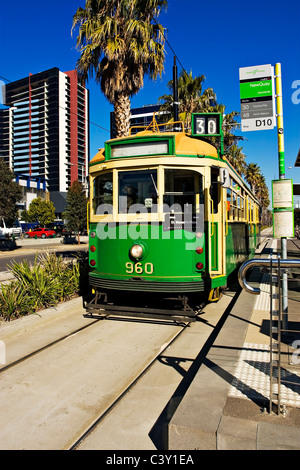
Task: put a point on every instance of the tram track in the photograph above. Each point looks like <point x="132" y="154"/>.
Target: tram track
<point x="68" y="367"/>
<point x="5" y="367"/>
<point x="183" y="384"/>
<point x="125" y="392"/>
<point x="62" y="394"/>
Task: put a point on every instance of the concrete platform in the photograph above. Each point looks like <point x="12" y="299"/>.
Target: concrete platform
<point x="227" y="405"/>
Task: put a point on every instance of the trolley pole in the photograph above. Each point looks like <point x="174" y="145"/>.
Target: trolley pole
<point x="280" y="137"/>
<point x="175" y="95"/>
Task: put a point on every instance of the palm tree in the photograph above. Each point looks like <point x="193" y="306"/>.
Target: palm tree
<point x="120" y="41"/>
<point x="262" y="192"/>
<point x="253" y="175"/>
<point x="230" y="124"/>
<point x="236" y="157"/>
<point x="191" y="97"/>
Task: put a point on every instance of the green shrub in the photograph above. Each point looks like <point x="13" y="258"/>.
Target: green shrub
<point x="66" y="273"/>
<point x="50" y="280"/>
<point x="14" y="301"/>
<point x="39" y="284"/>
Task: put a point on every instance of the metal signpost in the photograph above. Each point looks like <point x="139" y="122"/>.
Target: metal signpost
<point x="290" y="208"/>
<point x="257" y="94"/>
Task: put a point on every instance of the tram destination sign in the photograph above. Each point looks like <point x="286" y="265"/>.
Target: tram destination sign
<point x="257" y="97"/>
<point x="206" y="124"/>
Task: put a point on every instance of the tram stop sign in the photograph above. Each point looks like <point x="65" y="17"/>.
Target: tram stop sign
<point x="257" y="97"/>
<point x="283" y="208"/>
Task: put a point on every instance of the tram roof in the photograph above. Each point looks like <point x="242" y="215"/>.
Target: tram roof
<point x="184" y="144"/>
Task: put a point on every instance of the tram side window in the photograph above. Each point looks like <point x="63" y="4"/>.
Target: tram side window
<point x="242" y="206"/>
<point x="138" y="187"/>
<point x="103" y="194"/>
<point x="234" y="206"/>
<point x="181" y="189"/>
<point x="229" y="203"/>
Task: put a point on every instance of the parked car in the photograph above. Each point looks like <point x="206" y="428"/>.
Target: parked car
<point x="40" y="233"/>
<point x="60" y="230"/>
<point x="9" y="232"/>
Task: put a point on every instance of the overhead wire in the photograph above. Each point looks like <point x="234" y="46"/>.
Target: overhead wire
<point x="98" y="125"/>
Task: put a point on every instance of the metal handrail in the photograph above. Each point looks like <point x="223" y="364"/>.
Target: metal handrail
<point x="284" y="263"/>
<point x="275" y="316"/>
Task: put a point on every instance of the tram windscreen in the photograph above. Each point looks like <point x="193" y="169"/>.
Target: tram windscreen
<point x="138" y="187"/>
<point x="181" y="188"/>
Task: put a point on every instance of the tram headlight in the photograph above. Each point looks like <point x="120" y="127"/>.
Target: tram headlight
<point x="136" y="251"/>
<point x="93" y="234"/>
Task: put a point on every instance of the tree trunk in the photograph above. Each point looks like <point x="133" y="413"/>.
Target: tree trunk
<point x="122" y="115"/>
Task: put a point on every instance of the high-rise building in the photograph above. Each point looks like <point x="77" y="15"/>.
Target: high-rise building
<point x="44" y="134"/>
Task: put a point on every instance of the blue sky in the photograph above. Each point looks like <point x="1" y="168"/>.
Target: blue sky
<point x="210" y="38"/>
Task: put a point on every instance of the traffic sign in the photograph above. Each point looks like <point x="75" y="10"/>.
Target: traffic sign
<point x="257" y="98"/>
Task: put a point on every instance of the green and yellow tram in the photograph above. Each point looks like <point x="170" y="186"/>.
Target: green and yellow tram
<point x="169" y="217"/>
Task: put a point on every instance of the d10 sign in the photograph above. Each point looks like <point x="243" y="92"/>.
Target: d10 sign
<point x="257" y="98"/>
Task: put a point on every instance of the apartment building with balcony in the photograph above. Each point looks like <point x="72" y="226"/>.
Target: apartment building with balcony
<point x="44" y="134"/>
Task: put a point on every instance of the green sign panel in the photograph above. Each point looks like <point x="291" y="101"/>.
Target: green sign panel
<point x="256" y="89"/>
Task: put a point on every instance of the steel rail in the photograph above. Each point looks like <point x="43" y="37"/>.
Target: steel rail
<point x="47" y="346"/>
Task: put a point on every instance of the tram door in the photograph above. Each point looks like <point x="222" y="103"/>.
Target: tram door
<point x="217" y="224"/>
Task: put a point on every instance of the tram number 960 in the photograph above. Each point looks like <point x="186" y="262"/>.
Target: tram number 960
<point x="139" y="268"/>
